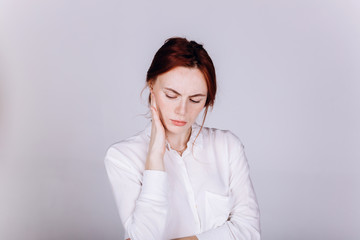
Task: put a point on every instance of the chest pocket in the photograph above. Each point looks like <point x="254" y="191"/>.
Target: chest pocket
<point x="217" y="209"/>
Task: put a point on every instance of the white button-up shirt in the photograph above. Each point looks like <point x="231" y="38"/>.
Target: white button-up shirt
<point x="206" y="192"/>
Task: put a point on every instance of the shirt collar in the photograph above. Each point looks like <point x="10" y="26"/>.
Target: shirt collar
<point x="195" y="128"/>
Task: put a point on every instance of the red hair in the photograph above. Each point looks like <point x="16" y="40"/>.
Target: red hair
<point x="179" y="52"/>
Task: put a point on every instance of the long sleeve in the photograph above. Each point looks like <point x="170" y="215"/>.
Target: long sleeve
<point x="141" y="197"/>
<point x="243" y="222"/>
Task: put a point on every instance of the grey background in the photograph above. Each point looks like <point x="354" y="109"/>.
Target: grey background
<point x="72" y="71"/>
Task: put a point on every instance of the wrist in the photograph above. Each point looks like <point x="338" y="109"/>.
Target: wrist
<point x="154" y="164"/>
<point x="155" y="156"/>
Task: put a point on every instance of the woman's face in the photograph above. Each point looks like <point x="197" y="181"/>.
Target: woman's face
<point x="180" y="96"/>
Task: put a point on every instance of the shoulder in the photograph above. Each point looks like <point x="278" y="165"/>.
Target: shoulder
<point x="221" y="137"/>
<point x="227" y="145"/>
<point x="130" y="151"/>
<point x="130" y="144"/>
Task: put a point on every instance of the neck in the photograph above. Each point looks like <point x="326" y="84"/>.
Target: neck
<point x="178" y="141"/>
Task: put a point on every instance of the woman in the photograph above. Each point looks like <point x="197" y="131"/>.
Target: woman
<point x="177" y="179"/>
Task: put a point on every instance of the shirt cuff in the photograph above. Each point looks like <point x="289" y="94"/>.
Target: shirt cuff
<point x="154" y="183"/>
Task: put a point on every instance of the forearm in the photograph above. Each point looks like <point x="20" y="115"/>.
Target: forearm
<point x="154" y="163"/>
<point x="185" y="238"/>
<point x="143" y="209"/>
<point x="148" y="218"/>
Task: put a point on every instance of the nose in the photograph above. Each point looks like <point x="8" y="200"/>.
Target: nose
<point x="181" y="107"/>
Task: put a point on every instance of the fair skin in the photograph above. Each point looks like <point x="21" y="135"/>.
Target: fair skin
<point x="185" y="238"/>
<point x="179" y="94"/>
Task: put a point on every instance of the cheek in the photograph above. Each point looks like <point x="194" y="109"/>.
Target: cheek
<point x="197" y="109"/>
<point x="163" y="105"/>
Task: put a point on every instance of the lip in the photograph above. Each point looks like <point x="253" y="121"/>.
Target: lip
<point x="178" y="123"/>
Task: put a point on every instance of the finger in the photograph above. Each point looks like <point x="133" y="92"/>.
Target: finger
<point x="152" y="105"/>
<point x="153" y="100"/>
<point x="155" y="114"/>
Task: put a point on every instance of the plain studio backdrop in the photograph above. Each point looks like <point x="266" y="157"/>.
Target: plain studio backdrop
<point x="288" y="86"/>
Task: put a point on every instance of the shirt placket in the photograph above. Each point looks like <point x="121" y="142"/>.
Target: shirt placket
<point x="189" y="190"/>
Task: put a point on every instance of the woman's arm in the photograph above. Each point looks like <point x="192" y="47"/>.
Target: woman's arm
<point x="141" y="197"/>
<point x="185" y="238"/>
<point x="243" y="222"/>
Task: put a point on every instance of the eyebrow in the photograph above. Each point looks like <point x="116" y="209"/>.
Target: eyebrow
<point x="195" y="95"/>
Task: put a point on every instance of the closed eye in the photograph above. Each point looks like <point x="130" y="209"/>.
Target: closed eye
<point x="194" y="101"/>
<point x="172" y="97"/>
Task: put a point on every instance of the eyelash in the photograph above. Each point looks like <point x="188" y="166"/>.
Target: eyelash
<point x="175" y="97"/>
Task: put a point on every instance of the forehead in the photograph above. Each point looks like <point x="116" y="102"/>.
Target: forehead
<point x="184" y="80"/>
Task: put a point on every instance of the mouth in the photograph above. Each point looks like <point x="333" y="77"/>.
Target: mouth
<point x="178" y="123"/>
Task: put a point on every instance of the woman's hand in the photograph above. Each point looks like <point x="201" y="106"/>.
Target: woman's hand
<point x="156" y="151"/>
<point x="187" y="238"/>
<point x="184" y="238"/>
